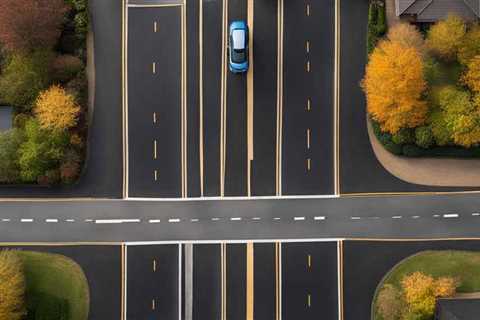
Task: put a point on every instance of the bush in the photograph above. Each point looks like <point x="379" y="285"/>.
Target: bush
<point x="470" y="46"/>
<point x="444" y="38"/>
<point x="390" y="303"/>
<point x="10" y="141"/>
<point x="42" y="151"/>
<point x="377" y="26"/>
<point x="49" y="307"/>
<point x="404" y="136"/>
<point x="78" y="87"/>
<point x="424" y="137"/>
<point x="20" y="120"/>
<point x="70" y="167"/>
<point x="24" y="77"/>
<point x="411" y="150"/>
<point x="65" y="68"/>
<point x="50" y="178"/>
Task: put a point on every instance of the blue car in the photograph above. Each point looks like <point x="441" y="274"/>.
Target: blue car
<point x="238" y="47"/>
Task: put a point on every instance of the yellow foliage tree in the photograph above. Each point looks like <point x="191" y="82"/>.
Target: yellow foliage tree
<point x="12" y="287"/>
<point x="472" y="77"/>
<point x="394" y="85"/>
<point x="421" y="291"/>
<point x="56" y="109"/>
<point x="407" y="35"/>
<point x="445" y="37"/>
<point x="470" y="46"/>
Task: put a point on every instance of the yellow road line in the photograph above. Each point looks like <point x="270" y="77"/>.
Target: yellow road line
<point x="309" y="261"/>
<point x="340" y="279"/>
<point x="278" y="158"/>
<point x="308" y="138"/>
<point x="278" y="281"/>
<point x="154" y="67"/>
<point x="309" y="300"/>
<point x="223" y="106"/>
<point x="250" y="281"/>
<point x="184" y="103"/>
<point x="155" y="27"/>
<point x="336" y="102"/>
<point x="122" y="312"/>
<point x="155" y="149"/>
<point x="155" y="175"/>
<point x="124" y="98"/>
<point x="223" y="258"/>
<point x="250" y="95"/>
<point x="200" y="44"/>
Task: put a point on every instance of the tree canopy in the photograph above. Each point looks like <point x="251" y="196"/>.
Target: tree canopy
<point x="12" y="287"/>
<point x="56" y="109"/>
<point x="445" y="37"/>
<point x="394" y="85"/>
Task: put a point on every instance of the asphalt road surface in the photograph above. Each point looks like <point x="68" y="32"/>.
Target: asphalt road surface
<point x="102" y="266"/>
<point x="153" y="282"/>
<point x="360" y="171"/>
<point x="103" y="172"/>
<point x="309" y="281"/>
<point x="454" y="215"/>
<point x="367" y="262"/>
<point x="206" y="151"/>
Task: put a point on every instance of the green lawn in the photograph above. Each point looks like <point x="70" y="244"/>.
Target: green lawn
<point x="463" y="265"/>
<point x="55" y="278"/>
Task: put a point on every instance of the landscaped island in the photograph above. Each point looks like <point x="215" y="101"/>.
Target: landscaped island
<point x="423" y="87"/>
<point x="413" y="288"/>
<point x="43" y="80"/>
<point x="41" y="286"/>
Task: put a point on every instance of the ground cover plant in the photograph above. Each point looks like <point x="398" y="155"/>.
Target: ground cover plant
<point x="43" y="57"/>
<point x="41" y="286"/>
<point x="410" y="290"/>
<point x="423" y="89"/>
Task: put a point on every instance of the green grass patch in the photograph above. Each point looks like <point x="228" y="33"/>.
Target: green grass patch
<point x="462" y="265"/>
<point x="57" y="288"/>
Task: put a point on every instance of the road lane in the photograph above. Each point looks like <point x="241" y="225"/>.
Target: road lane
<point x="193" y="98"/>
<point x="309" y="281"/>
<point x="236" y="285"/>
<point x="236" y="119"/>
<point x="212" y="66"/>
<point x="152" y="282"/>
<point x="308" y="108"/>
<point x="265" y="281"/>
<point x="206" y="282"/>
<point x="265" y="97"/>
<point x="154" y="61"/>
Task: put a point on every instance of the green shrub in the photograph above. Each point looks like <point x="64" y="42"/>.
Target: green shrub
<point x="404" y="136"/>
<point x="20" y="120"/>
<point x="41" y="151"/>
<point x="424" y="137"/>
<point x="49" y="307"/>
<point x="411" y="150"/>
<point x="10" y="141"/>
<point x="24" y="77"/>
<point x="66" y="67"/>
<point x="377" y="26"/>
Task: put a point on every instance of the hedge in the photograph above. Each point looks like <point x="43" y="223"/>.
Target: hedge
<point x="413" y="151"/>
<point x="377" y="26"/>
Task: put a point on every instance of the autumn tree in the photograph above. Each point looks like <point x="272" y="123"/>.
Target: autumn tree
<point x="12" y="287"/>
<point x="56" y="109"/>
<point x="407" y="35"/>
<point x="470" y="46"/>
<point x="472" y="76"/>
<point x="421" y="291"/>
<point x="10" y="141"/>
<point x="394" y="84"/>
<point x="29" y="24"/>
<point x="390" y="303"/>
<point x="445" y="37"/>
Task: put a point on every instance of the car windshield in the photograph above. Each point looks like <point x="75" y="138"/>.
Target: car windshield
<point x="238" y="46"/>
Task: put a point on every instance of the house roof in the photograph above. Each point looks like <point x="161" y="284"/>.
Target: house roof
<point x="433" y="10"/>
<point x="457" y="309"/>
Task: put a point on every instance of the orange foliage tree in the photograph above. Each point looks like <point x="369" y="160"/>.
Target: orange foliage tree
<point x="56" y="109"/>
<point x="407" y="35"/>
<point x="12" y="287"/>
<point x="394" y="85"/>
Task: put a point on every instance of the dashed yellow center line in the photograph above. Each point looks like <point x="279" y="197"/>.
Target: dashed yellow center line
<point x="308" y="138"/>
<point x="153" y="304"/>
<point x="309" y="104"/>
<point x="155" y="27"/>
<point x="155" y="175"/>
<point x="154" y="262"/>
<point x="308" y="10"/>
<point x="308" y="66"/>
<point x="309" y="164"/>
<point x="154" y="117"/>
<point x="309" y="300"/>
<point x="155" y="149"/>
<point x="154" y="67"/>
<point x="307" y="46"/>
<point x="309" y="261"/>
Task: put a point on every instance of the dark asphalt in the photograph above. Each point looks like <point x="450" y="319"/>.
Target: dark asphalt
<point x="367" y="262"/>
<point x="374" y="218"/>
<point x="236" y="119"/>
<point x="264" y="304"/>
<point x="103" y="174"/>
<point x="158" y="92"/>
<point x="207" y="298"/>
<point x="360" y="171"/>
<point x="193" y="99"/>
<point x="102" y="265"/>
<point x="212" y="67"/>
<point x="265" y="97"/>
<point x="236" y="281"/>
<point x="145" y="284"/>
<point x="299" y="85"/>
<point x="319" y="281"/>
